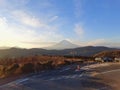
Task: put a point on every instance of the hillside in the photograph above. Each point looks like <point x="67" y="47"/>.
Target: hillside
<point x="114" y="53"/>
<point x="10" y="67"/>
<point x="81" y="51"/>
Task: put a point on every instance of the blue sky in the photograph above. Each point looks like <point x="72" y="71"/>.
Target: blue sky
<point x="41" y="23"/>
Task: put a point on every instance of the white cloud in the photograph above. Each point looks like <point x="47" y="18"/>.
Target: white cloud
<point x="102" y="42"/>
<point x="27" y="19"/>
<point x="13" y="4"/>
<point x="53" y="18"/>
<point x="15" y="35"/>
<point x="10" y="34"/>
<point x="79" y="29"/>
<point x="78" y="11"/>
<point x="98" y="42"/>
<point x="19" y="26"/>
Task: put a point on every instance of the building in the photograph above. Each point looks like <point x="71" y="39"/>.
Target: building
<point x="117" y="59"/>
<point x="99" y="59"/>
<point x="104" y="59"/>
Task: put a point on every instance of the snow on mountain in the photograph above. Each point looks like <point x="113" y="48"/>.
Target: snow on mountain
<point x="63" y="45"/>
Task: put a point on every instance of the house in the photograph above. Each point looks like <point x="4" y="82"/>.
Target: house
<point x="104" y="59"/>
<point x="99" y="59"/>
<point x="117" y="59"/>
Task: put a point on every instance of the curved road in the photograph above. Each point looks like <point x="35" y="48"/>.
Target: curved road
<point x="111" y="78"/>
<point x="67" y="78"/>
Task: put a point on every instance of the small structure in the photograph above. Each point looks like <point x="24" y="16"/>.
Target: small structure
<point x="117" y="59"/>
<point x="99" y="59"/>
<point x="108" y="59"/>
<point x="104" y="59"/>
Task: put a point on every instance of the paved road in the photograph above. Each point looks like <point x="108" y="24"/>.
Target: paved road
<point x="65" y="78"/>
<point x="111" y="78"/>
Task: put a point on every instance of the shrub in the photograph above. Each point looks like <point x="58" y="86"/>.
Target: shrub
<point x="27" y="68"/>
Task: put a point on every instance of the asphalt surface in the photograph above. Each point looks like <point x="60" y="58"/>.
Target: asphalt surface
<point x="66" y="78"/>
<point x="111" y="76"/>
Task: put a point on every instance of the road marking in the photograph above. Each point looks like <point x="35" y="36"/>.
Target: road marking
<point x="22" y="80"/>
<point x="65" y="77"/>
<point x="95" y="66"/>
<point x="110" y="71"/>
<point x="14" y="82"/>
<point x="64" y="69"/>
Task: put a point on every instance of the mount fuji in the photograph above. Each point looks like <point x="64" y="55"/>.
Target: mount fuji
<point x="62" y="45"/>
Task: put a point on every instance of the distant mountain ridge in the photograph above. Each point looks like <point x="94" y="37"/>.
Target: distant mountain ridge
<point x="62" y="45"/>
<point x="80" y="51"/>
<point x="4" y="47"/>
